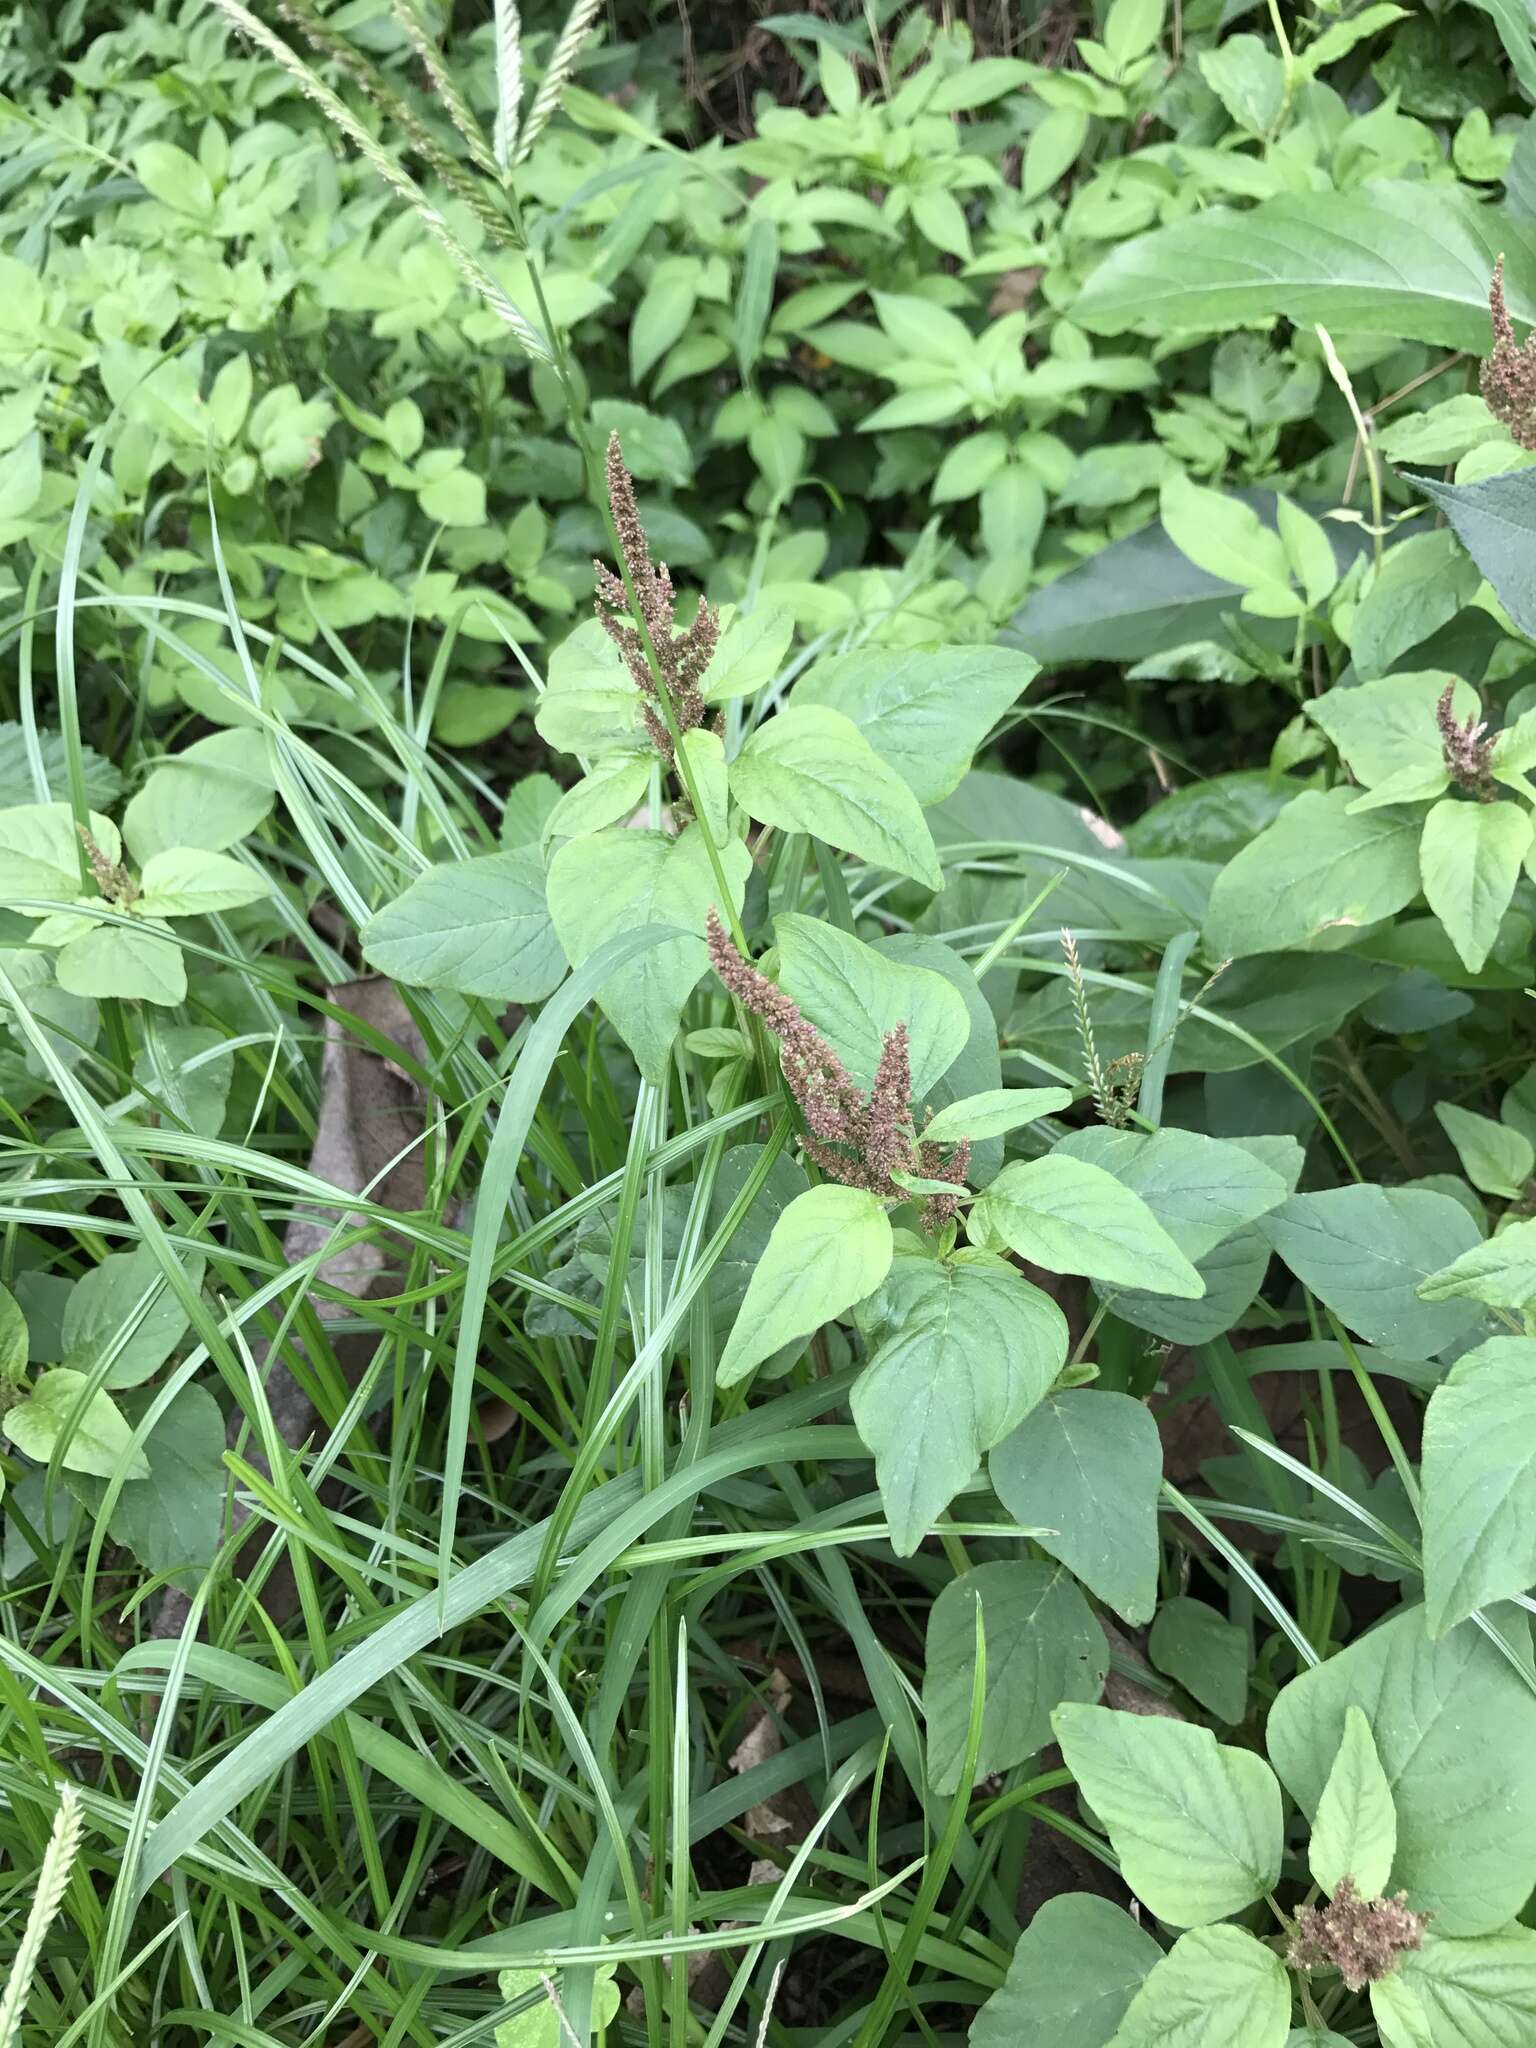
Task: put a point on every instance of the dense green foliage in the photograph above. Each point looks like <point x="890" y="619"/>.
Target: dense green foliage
<point x="800" y="1315"/>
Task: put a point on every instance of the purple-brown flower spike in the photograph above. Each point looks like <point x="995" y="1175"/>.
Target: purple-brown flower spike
<point x="682" y="657"/>
<point x="1468" y="750"/>
<point x="859" y="1140"/>
<point x="1508" y="376"/>
<point x="1360" y="1938"/>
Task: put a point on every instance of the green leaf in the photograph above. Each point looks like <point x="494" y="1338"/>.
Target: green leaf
<point x="589" y="706"/>
<point x="1086" y="1468"/>
<point x="456" y="498"/>
<point x="1479" y="1507"/>
<point x="811" y="770"/>
<point x="996" y="1112"/>
<point x="530" y="801"/>
<point x="172" y="1521"/>
<point x="1441" y="433"/>
<point x="1386" y="730"/>
<point x="186" y="881"/>
<point x="1138" y="597"/>
<point x="754" y="294"/>
<point x="13" y="1339"/>
<point x="961" y="1350"/>
<point x="1365" y="1251"/>
<point x="1423" y="582"/>
<point x="1070" y="1217"/>
<point x="1461" y="1994"/>
<point x="1249" y="80"/>
<point x="1223" y="536"/>
<point x="1076" y="1968"/>
<point x="1216" y="1988"/>
<point x="1470" y="858"/>
<point x="1341" y="38"/>
<point x="1453" y="1724"/>
<point x="1501" y="1272"/>
<point x="1043" y="1647"/>
<point x="186" y="1068"/>
<point x="732" y="1277"/>
<point x="1354" y="1831"/>
<point x="1494" y="1158"/>
<point x="655" y="448"/>
<point x="750" y="652"/>
<point x="101" y="1442"/>
<point x="479" y="927"/>
<point x="1199" y="1189"/>
<point x="830" y="1248"/>
<point x="173" y="177"/>
<point x="1233" y="1274"/>
<point x="540" y="2026"/>
<point x="704" y="754"/>
<point x="124" y="960"/>
<point x="1495" y="521"/>
<point x="854" y="995"/>
<point x="209" y="795"/>
<point x="1309" y="552"/>
<point x="620" y="878"/>
<point x="40" y="852"/>
<point x="977" y="1068"/>
<point x="1391" y="257"/>
<point x="608" y="796"/>
<point x="925" y="712"/>
<point x="103" y="783"/>
<point x="1315" y="872"/>
<point x="1197" y="1826"/>
<point x="1205" y="1652"/>
<point x="126" y="1291"/>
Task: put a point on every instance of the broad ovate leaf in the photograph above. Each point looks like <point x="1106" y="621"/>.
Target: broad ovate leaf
<point x="1470" y="857"/>
<point x="1200" y="1189"/>
<point x="1205" y="1652"/>
<point x="137" y="960"/>
<point x="1461" y="1994"/>
<point x="209" y="795"/>
<point x="1494" y="1156"/>
<point x="1075" y="1970"/>
<point x="810" y="769"/>
<point x="1386" y="730"/>
<point x="1320" y="872"/>
<point x="829" y="1249"/>
<point x="618" y="879"/>
<point x="1043" y="1647"/>
<point x="1392" y="257"/>
<point x="924" y="711"/>
<point x="1071" y="1217"/>
<point x="1501" y="1273"/>
<point x="1367" y="1251"/>
<point x="590" y="706"/>
<point x="1479" y="1476"/>
<point x="961" y="1350"/>
<point x="1197" y="1825"/>
<point x="188" y="881"/>
<point x="40" y="852"/>
<point x="1216" y="1988"/>
<point x="124" y="1309"/>
<point x="478" y="927"/>
<point x="1085" y="1468"/>
<point x="995" y="1112"/>
<point x="854" y="995"/>
<point x="1454" y="1724"/>
<point x="99" y="1442"/>
<point x="1354" y="1831"/>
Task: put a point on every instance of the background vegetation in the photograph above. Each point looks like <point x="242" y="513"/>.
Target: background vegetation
<point x="545" y="1500"/>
